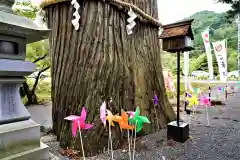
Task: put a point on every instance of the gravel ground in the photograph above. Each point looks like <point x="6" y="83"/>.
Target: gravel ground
<point x="219" y="140"/>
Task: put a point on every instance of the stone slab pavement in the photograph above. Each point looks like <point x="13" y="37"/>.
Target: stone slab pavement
<point x="42" y="114"/>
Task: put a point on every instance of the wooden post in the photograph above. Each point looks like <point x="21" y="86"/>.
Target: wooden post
<point x="178" y="87"/>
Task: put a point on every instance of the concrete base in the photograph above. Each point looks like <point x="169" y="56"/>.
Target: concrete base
<point x="21" y="140"/>
<point x="178" y="133"/>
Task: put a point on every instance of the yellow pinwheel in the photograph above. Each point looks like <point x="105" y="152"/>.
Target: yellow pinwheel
<point x="113" y="118"/>
<point x="192" y="101"/>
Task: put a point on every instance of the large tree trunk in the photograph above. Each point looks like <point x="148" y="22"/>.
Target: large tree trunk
<point x="100" y="62"/>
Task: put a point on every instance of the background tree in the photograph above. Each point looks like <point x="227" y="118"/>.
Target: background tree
<point x="100" y="62"/>
<point x="235" y="7"/>
<point x="36" y="52"/>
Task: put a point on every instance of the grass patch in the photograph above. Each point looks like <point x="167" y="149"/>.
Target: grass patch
<point x="203" y="87"/>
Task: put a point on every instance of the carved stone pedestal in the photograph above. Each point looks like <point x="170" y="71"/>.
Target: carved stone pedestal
<point x="12" y="108"/>
<point x="19" y="135"/>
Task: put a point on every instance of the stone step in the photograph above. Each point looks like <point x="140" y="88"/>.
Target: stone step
<point x="18" y="137"/>
<point x="39" y="153"/>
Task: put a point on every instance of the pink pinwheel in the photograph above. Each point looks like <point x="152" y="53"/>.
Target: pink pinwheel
<point x="79" y="121"/>
<point x="103" y="113"/>
<point x="131" y="114"/>
<point x="205" y="101"/>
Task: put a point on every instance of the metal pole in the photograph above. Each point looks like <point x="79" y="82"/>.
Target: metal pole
<point x="178" y="87"/>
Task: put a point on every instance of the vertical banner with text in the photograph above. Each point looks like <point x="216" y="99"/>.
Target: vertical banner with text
<point x="221" y="56"/>
<point x="205" y="36"/>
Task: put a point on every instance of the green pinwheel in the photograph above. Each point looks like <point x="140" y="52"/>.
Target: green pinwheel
<point x="138" y="120"/>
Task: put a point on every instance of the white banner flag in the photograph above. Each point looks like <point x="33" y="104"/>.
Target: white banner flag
<point x="221" y="56"/>
<point x="205" y="36"/>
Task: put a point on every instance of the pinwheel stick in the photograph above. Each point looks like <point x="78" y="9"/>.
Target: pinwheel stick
<point x="129" y="146"/>
<point x="134" y="141"/>
<point x="156" y="116"/>
<point x="80" y="134"/>
<point x="207" y="114"/>
<point x="108" y="144"/>
<point x="110" y="137"/>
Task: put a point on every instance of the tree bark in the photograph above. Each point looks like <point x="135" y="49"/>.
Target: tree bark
<point x="99" y="62"/>
<point x="31" y="96"/>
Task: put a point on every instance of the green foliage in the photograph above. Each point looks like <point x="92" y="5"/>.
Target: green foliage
<point x="219" y="28"/>
<point x="38" y="49"/>
<point x="203" y="87"/>
<point x="25" y="8"/>
<point x="235" y="7"/>
<point x="35" y="52"/>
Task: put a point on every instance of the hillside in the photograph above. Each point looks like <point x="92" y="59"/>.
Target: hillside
<point x="220" y="28"/>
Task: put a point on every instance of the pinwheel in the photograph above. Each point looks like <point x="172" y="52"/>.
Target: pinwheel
<point x="131" y="114"/>
<point x="206" y="102"/>
<point x="104" y="118"/>
<point x="192" y="102"/>
<point x="155" y="103"/>
<point x="103" y="113"/>
<point x="79" y="122"/>
<point x="189" y="95"/>
<point x="238" y="84"/>
<point x="221" y="89"/>
<point x="112" y="118"/>
<point x="138" y="121"/>
<point x="155" y="100"/>
<point x="196" y="90"/>
<point x="124" y="125"/>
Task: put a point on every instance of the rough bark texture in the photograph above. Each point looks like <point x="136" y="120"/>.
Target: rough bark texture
<point x="100" y="62"/>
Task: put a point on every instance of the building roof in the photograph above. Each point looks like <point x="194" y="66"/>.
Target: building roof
<point x="182" y="28"/>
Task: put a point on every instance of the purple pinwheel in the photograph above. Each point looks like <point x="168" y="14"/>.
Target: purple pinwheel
<point x="155" y="100"/>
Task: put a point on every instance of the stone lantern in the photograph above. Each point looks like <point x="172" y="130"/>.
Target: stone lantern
<point x="19" y="135"/>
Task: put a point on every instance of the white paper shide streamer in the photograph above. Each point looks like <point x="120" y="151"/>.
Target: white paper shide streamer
<point x="131" y="22"/>
<point x="76" y="14"/>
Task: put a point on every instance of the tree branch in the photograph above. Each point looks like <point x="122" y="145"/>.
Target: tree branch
<point x="38" y="77"/>
<point x="40" y="58"/>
